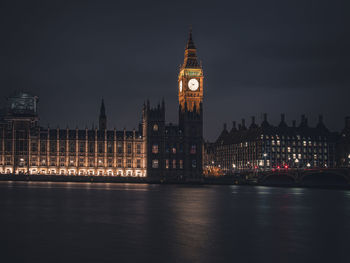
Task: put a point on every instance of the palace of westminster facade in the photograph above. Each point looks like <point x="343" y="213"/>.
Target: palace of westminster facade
<point x="157" y="149"/>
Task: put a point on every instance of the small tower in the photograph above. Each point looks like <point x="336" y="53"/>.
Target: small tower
<point x="102" y="118"/>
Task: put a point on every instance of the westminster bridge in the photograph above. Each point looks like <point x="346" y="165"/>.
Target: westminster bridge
<point x="300" y="177"/>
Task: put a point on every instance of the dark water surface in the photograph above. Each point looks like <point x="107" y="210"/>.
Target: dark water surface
<point x="85" y="222"/>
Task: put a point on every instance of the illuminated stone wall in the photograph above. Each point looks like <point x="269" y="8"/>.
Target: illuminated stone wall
<point x="72" y="152"/>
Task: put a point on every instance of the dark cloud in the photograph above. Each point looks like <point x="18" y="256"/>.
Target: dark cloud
<point x="258" y="56"/>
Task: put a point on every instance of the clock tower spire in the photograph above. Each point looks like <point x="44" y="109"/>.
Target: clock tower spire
<point x="190" y="79"/>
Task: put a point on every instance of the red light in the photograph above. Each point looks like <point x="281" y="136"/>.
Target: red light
<point x="286" y="166"/>
<point x="256" y="167"/>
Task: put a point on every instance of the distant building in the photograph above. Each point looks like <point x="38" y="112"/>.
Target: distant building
<point x="268" y="147"/>
<point x="343" y="147"/>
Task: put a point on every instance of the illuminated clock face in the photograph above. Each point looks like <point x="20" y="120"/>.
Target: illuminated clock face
<point x="180" y="86"/>
<point x="193" y="84"/>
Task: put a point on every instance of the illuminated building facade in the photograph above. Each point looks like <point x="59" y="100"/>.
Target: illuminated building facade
<point x="156" y="149"/>
<point x="268" y="147"/>
<point x="28" y="148"/>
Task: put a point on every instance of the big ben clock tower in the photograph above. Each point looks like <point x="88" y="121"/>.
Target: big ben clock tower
<point x="190" y="79"/>
<point x="190" y="87"/>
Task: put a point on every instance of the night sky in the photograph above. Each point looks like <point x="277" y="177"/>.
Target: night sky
<point x="258" y="56"/>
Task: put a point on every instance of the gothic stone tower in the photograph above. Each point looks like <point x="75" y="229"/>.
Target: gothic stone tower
<point x="153" y="131"/>
<point x="190" y="83"/>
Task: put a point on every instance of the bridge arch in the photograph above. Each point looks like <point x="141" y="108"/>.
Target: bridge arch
<point x="325" y="177"/>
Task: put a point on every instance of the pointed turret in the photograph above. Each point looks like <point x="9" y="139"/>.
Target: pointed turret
<point x="103" y="117"/>
<point x="190" y="60"/>
<point x="320" y="125"/>
<point x="190" y="44"/>
<point x="282" y="124"/>
<point x="265" y="123"/>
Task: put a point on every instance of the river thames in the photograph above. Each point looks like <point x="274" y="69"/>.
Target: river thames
<point x="105" y="222"/>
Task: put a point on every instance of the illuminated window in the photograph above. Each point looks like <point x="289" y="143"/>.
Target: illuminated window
<point x="120" y="147"/>
<point x="138" y="163"/>
<point x="109" y="147"/>
<point x="72" y="146"/>
<point x="82" y="147"/>
<point x="42" y="147"/>
<point x="181" y="164"/>
<point x="174" y="164"/>
<point x="155" y="127"/>
<point x="167" y="164"/>
<point x="155" y="148"/>
<point x="91" y="147"/>
<point x="193" y="149"/>
<point x="155" y="163"/>
<point x="100" y="147"/>
<point x="120" y="162"/>
<point x="138" y="148"/>
<point x="173" y="150"/>
<point x="194" y="163"/>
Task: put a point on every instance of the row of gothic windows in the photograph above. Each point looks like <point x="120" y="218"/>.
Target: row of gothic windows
<point x="155" y="149"/>
<point x="155" y="164"/>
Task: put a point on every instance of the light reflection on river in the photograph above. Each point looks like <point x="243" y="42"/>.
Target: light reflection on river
<point x="103" y="222"/>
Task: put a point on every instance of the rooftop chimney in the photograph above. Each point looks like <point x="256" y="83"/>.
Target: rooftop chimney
<point x="234" y="125"/>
